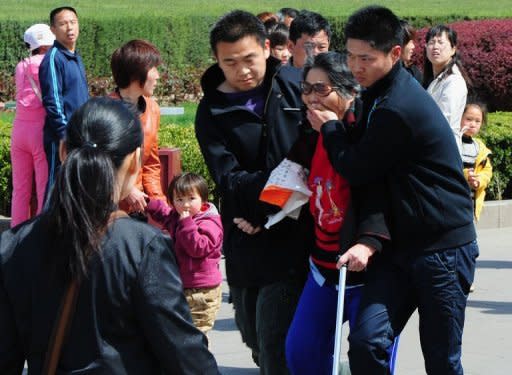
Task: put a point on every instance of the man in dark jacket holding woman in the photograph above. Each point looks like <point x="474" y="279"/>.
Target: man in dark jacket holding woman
<point x="407" y="144"/>
<point x="246" y="124"/>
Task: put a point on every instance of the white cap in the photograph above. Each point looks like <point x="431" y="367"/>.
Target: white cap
<point x="38" y="35"/>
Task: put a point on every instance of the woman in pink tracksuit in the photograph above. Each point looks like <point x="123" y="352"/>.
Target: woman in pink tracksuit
<point x="27" y="152"/>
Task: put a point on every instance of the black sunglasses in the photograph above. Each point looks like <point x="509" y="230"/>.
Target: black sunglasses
<point x="321" y="89"/>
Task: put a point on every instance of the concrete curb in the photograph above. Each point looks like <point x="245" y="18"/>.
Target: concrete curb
<point x="496" y="214"/>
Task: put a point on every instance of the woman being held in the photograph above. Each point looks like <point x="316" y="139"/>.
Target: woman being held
<point x="27" y="151"/>
<point x="129" y="315"/>
<point x="444" y="77"/>
<point x="134" y="68"/>
<point x="344" y="218"/>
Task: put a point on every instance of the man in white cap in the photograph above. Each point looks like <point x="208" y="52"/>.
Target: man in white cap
<point x="63" y="83"/>
<point x="27" y="152"/>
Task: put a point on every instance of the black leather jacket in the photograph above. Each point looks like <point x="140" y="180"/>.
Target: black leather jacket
<point x="131" y="315"/>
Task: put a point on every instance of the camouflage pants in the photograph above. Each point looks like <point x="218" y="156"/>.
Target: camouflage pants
<point x="204" y="305"/>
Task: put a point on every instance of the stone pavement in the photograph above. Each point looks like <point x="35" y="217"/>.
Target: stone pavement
<point x="487" y="344"/>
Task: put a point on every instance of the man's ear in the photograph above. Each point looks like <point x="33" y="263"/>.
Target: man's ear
<point x="396" y="52"/>
<point x="63" y="152"/>
<point x="291" y="46"/>
<point x="266" y="47"/>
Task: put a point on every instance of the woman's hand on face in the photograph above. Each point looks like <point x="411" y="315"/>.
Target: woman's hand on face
<point x="318" y="117"/>
<point x="137" y="200"/>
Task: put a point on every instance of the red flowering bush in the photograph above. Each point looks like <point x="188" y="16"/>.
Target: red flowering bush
<point x="485" y="47"/>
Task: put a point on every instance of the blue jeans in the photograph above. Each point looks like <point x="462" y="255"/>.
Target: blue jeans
<point x="263" y="315"/>
<point x="310" y="340"/>
<point x="435" y="283"/>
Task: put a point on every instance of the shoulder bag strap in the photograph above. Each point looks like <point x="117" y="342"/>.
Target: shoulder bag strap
<point x="60" y="329"/>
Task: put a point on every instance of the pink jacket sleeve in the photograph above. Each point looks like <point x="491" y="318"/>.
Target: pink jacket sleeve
<point x="199" y="238"/>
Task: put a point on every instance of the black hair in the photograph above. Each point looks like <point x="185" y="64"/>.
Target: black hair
<point x="236" y="25"/>
<point x="309" y="23"/>
<point x="99" y="136"/>
<point x="334" y="64"/>
<point x="287" y="12"/>
<point x="56" y="11"/>
<point x="409" y="32"/>
<point x="428" y="70"/>
<point x="376" y="25"/>
<point x="186" y="183"/>
<point x="476" y="102"/>
<point x="277" y="33"/>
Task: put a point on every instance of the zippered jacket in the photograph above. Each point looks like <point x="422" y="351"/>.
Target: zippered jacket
<point x="240" y="149"/>
<point x="409" y="145"/>
<point x="63" y="87"/>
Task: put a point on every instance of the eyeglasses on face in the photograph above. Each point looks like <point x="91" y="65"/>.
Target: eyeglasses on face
<point x="322" y="89"/>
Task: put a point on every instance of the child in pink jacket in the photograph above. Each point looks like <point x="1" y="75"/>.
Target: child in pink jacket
<point x="27" y="152"/>
<point x="196" y="229"/>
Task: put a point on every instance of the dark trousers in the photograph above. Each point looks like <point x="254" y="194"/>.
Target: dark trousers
<point x="51" y="149"/>
<point x="263" y="315"/>
<point x="435" y="283"/>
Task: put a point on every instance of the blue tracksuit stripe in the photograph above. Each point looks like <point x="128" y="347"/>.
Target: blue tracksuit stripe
<point x="55" y="90"/>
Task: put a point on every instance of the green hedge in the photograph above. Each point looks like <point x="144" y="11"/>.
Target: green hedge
<point x="497" y="136"/>
<point x="183" y="42"/>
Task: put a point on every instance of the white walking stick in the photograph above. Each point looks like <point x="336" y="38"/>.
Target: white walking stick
<point x="339" y="321"/>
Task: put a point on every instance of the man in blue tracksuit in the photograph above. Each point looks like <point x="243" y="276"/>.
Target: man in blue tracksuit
<point x="63" y="84"/>
<point x="408" y="145"/>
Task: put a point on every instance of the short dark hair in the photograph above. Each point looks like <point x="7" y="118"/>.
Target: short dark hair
<point x="287" y="12"/>
<point x="334" y="64"/>
<point x="409" y="32"/>
<point x="56" y="11"/>
<point x="476" y="102"/>
<point x="186" y="183"/>
<point x="277" y="33"/>
<point x="132" y="61"/>
<point x="309" y="23"/>
<point x="376" y="25"/>
<point x="236" y="25"/>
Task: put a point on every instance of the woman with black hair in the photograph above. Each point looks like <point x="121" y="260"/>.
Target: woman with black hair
<point x="444" y="76"/>
<point x="129" y="315"/>
<point x="344" y="218"/>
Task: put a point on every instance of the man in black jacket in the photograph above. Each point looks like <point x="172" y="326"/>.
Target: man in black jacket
<point x="245" y="125"/>
<point x="408" y="144"/>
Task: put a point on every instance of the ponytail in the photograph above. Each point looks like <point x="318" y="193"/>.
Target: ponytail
<point x="100" y="135"/>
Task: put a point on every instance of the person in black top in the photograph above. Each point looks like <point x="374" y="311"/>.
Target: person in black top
<point x="408" y="144"/>
<point x="130" y="314"/>
<point x="246" y="123"/>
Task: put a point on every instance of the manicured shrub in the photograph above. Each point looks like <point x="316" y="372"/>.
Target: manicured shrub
<point x="184" y="44"/>
<point x="486" y="51"/>
<point x="497" y="135"/>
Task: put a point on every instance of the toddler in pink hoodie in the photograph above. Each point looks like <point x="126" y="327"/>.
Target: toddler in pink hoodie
<point x="196" y="229"/>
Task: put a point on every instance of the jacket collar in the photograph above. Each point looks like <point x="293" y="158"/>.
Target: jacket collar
<point x="380" y="87"/>
<point x="64" y="50"/>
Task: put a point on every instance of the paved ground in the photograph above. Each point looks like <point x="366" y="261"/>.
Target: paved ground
<point x="487" y="344"/>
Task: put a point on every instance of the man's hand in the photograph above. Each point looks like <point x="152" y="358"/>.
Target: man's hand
<point x="356" y="258"/>
<point x="319" y="116"/>
<point x="245" y="226"/>
<point x="137" y="200"/>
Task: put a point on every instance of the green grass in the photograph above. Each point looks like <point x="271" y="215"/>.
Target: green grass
<point x="38" y="10"/>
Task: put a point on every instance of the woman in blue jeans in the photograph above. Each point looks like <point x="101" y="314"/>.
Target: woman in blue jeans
<point x="343" y="217"/>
